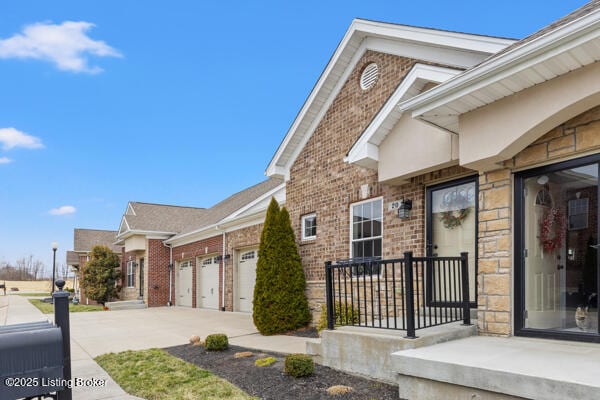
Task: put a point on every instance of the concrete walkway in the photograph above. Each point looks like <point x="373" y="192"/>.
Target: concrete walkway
<point x="82" y="365"/>
<point x="95" y="333"/>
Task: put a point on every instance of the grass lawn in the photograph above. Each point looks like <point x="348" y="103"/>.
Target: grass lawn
<point x="33" y="294"/>
<point x="153" y="374"/>
<point x="48" y="308"/>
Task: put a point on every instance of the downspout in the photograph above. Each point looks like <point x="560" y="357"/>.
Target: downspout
<point x="223" y="261"/>
<point x="170" y="303"/>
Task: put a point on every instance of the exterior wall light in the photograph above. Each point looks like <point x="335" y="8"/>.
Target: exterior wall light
<point x="404" y="209"/>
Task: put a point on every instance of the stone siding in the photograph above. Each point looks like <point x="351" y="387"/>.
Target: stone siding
<point x="575" y="138"/>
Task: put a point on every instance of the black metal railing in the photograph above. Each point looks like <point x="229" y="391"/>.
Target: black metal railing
<point x="407" y="293"/>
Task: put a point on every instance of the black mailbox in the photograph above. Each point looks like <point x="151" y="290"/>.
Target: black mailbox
<point x="31" y="360"/>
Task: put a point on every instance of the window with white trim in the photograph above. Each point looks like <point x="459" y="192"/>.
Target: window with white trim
<point x="309" y="226"/>
<point x="130" y="274"/>
<point x="366" y="232"/>
<point x="248" y="255"/>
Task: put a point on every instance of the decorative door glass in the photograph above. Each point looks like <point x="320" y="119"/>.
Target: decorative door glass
<point x="452" y="224"/>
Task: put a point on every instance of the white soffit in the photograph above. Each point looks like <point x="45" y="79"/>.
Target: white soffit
<point x="548" y="56"/>
<point x="457" y="49"/>
<point x="365" y="151"/>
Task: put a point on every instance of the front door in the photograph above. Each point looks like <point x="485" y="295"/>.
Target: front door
<point x="556" y="262"/>
<point x="452" y="227"/>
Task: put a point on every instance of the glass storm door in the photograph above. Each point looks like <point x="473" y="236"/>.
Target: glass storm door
<point x="556" y="222"/>
<point x="452" y="226"/>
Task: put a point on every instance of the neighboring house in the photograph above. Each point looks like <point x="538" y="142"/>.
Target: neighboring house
<point x="83" y="241"/>
<point x="337" y="198"/>
<point x="223" y="243"/>
<point x="145" y="261"/>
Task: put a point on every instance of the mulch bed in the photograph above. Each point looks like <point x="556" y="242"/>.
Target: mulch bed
<point x="272" y="383"/>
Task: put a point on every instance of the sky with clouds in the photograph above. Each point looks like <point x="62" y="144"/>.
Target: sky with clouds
<point x="180" y="102"/>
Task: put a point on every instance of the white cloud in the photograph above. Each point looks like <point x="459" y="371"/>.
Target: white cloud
<point x="63" y="210"/>
<point x="11" y="137"/>
<point x="66" y="45"/>
<point x="5" y="160"/>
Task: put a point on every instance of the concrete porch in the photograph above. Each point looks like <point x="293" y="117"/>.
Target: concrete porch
<point x="482" y="367"/>
<point x="367" y="351"/>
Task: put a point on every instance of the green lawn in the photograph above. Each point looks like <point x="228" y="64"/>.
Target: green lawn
<point x="33" y="294"/>
<point x="154" y="375"/>
<point x="48" y="308"/>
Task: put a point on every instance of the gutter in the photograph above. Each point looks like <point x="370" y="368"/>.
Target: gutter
<point x="171" y="267"/>
<point x="223" y="263"/>
<point x="495" y="69"/>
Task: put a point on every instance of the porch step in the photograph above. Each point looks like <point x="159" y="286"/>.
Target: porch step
<point x="367" y="351"/>
<point x="126" y="305"/>
<point x="499" y="368"/>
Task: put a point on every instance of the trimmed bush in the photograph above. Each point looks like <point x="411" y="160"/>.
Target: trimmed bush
<point x="265" y="362"/>
<point x="299" y="365"/>
<point x="101" y="274"/>
<point x="216" y="342"/>
<point x="280" y="303"/>
<point x="345" y="314"/>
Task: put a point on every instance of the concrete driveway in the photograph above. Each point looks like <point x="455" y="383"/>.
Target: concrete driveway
<point x="113" y="331"/>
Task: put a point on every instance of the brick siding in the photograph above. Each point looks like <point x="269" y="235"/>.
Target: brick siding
<point x="190" y="251"/>
<point x="321" y="182"/>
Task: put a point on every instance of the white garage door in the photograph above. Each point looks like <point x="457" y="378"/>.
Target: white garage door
<point x="184" y="284"/>
<point x="246" y="277"/>
<point x="207" y="286"/>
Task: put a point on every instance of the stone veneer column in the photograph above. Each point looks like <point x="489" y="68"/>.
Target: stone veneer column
<point x="495" y="253"/>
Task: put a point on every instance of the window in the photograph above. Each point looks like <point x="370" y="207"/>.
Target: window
<point x="578" y="214"/>
<point x="130" y="274"/>
<point x="366" y="230"/>
<point x="207" y="261"/>
<point x="309" y="227"/>
<point x="248" y="256"/>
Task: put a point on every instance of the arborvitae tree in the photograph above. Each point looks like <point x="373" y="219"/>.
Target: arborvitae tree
<point x="100" y="275"/>
<point x="279" y="300"/>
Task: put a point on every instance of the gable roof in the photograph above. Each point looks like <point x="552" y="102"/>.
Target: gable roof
<point x="365" y="151"/>
<point x="72" y="258"/>
<point x="85" y="239"/>
<point x="159" y="218"/>
<point x="454" y="49"/>
<point x="561" y="47"/>
<point x="232" y="206"/>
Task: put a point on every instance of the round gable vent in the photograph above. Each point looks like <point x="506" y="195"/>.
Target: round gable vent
<point x="369" y="76"/>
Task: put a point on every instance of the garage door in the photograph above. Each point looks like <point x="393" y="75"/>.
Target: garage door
<point x="207" y="286"/>
<point x="184" y="284"/>
<point x="246" y="276"/>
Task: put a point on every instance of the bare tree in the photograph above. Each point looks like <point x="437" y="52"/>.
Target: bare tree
<point x="63" y="271"/>
<point x="25" y="269"/>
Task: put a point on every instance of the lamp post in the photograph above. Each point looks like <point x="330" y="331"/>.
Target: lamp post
<point x="54" y="247"/>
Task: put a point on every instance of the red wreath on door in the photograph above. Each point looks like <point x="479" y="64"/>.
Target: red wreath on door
<point x="552" y="232"/>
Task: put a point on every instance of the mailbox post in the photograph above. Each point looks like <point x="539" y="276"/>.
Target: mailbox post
<point x="61" y="319"/>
